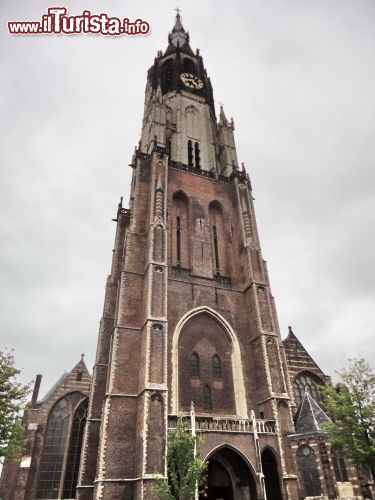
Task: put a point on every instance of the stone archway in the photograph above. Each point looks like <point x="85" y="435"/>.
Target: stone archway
<point x="229" y="477"/>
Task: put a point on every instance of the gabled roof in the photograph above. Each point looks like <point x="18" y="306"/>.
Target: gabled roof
<point x="310" y="418"/>
<point x="297" y="357"/>
<point x="66" y="381"/>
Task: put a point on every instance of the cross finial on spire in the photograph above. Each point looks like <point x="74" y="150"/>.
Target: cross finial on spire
<point x="178" y="10"/>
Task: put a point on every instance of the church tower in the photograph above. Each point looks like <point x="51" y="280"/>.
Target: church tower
<point x="188" y="316"/>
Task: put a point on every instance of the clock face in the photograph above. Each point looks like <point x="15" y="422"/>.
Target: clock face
<point x="191" y="81"/>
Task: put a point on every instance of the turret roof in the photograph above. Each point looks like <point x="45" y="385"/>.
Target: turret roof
<point x="310" y="418"/>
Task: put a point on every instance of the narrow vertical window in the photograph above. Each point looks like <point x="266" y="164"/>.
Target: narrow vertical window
<point x="75" y="446"/>
<point x="194" y="365"/>
<point x="207" y="401"/>
<point x="169" y="148"/>
<point x="338" y="462"/>
<point x="197" y="155"/>
<point x="178" y="239"/>
<point x="168" y="69"/>
<point x="216" y="247"/>
<point x="309" y="471"/>
<point x="180" y="230"/>
<point x="216" y="367"/>
<point x="190" y="154"/>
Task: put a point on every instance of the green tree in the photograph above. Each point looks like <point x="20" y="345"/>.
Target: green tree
<point x="185" y="471"/>
<point x="12" y="400"/>
<point x="351" y="406"/>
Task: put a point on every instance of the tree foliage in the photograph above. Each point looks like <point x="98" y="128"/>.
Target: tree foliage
<point x="12" y="399"/>
<point x="184" y="470"/>
<point x="352" y="409"/>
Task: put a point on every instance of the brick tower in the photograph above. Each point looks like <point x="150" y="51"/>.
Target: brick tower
<point x="188" y="313"/>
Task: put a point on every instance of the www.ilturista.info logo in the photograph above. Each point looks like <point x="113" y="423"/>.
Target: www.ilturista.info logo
<point x="57" y="22"/>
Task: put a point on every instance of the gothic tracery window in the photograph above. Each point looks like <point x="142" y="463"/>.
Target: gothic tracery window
<point x="58" y="470"/>
<point x="309" y="471"/>
<point x="306" y="383"/>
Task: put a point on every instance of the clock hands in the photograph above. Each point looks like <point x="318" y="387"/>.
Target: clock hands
<point x="191" y="81"/>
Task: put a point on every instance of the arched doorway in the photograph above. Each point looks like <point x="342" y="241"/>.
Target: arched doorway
<point x="271" y="475"/>
<point x="229" y="477"/>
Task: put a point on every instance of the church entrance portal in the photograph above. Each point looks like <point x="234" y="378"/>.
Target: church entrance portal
<point x="271" y="475"/>
<point x="229" y="477"/>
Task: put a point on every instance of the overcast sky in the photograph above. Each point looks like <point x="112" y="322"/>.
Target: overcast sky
<point x="298" y="77"/>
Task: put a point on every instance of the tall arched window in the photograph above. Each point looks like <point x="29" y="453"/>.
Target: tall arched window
<point x="207" y="400"/>
<point x="338" y="462"/>
<point x="180" y="230"/>
<point x="309" y="471"/>
<point x="168" y="70"/>
<point x="219" y="253"/>
<point x="194" y="365"/>
<point x="306" y="382"/>
<point x="62" y="447"/>
<point x="75" y="446"/>
<point x="216" y="367"/>
<point x="189" y="66"/>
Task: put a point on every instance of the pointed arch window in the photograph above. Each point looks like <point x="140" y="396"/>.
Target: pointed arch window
<point x="180" y="230"/>
<point x="58" y="469"/>
<point x="207" y="399"/>
<point x="189" y="66"/>
<point x="338" y="462"/>
<point x="219" y="259"/>
<point x="168" y="69"/>
<point x="194" y="365"/>
<point x="216" y="367"/>
<point x="309" y="471"/>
